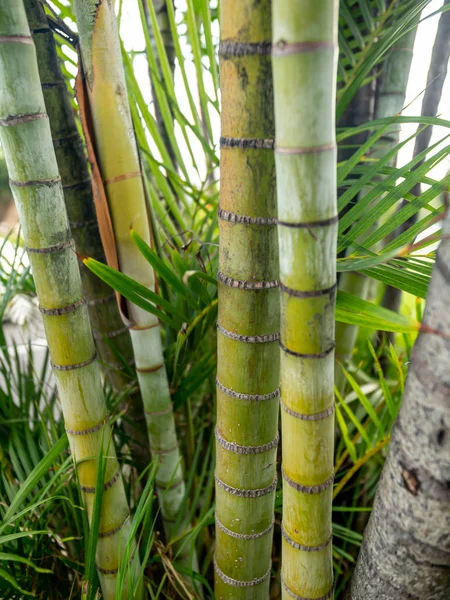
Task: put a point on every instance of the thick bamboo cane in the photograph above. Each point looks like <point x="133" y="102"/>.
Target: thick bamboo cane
<point x="304" y="72"/>
<point x="248" y="322"/>
<point x="120" y="169"/>
<point x="111" y="335"/>
<point x="36" y="185"/>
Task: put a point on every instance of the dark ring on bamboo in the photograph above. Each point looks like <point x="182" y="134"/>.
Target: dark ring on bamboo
<point x="21" y="39"/>
<point x="150" y="369"/>
<point x="49" y="249"/>
<point x="51" y="181"/>
<point x="283" y="48"/>
<point x="298" y="546"/>
<point x="106" y="486"/>
<point x="244" y="536"/>
<point x="232" y="217"/>
<point x="12" y="120"/>
<point x="237" y="449"/>
<point x="306" y="149"/>
<point x="258" y="493"/>
<point x="308" y="489"/>
<point x="168" y="451"/>
<point x="89" y="430"/>
<point x="75" y="366"/>
<point x="311" y="224"/>
<point x="82" y="224"/>
<point x="64" y="310"/>
<point x="308" y="417"/>
<point x="111" y="532"/>
<point x="122" y="177"/>
<point x="247" y="143"/>
<point x="306" y="355"/>
<point x="249" y="339"/>
<point x="246" y="285"/>
<point x="251" y="397"/>
<point x="110" y="334"/>
<point x="104" y="300"/>
<point x="157" y="413"/>
<point x="308" y="294"/>
<point x="76" y="185"/>
<point x="231" y="48"/>
<point x="41" y="30"/>
<point x="236" y="582"/>
<point x="328" y="596"/>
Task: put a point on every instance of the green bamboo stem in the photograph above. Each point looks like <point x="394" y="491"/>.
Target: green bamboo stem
<point x="36" y="185"/>
<point x="304" y="71"/>
<point x="120" y="169"/>
<point x="112" y="338"/>
<point x="248" y="320"/>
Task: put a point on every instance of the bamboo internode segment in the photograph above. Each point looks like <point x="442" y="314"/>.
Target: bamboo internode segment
<point x="27" y="144"/>
<point x="304" y="68"/>
<point x="248" y="320"/>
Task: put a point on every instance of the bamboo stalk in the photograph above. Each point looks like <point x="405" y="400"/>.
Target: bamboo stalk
<point x="112" y="338"/>
<point x="36" y="185"/>
<point x="406" y="546"/>
<point x="304" y="70"/>
<point x="248" y="321"/>
<point x="120" y="169"/>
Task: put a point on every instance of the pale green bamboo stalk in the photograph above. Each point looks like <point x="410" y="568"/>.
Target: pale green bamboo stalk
<point x="304" y="71"/>
<point x="36" y="185"/>
<point x="110" y="334"/>
<point x="248" y="321"/>
<point x="118" y="158"/>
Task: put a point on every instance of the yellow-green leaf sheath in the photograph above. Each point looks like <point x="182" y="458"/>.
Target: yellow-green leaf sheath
<point x="119" y="164"/>
<point x="36" y="185"/>
<point x="248" y="320"/>
<point x="304" y="70"/>
<point x="111" y="335"/>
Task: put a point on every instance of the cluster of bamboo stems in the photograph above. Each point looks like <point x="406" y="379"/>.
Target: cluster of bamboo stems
<point x="276" y="280"/>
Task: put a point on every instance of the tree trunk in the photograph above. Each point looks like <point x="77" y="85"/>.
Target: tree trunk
<point x="304" y="71"/>
<point x="112" y="338"/>
<point x="406" y="547"/>
<point x="119" y="164"/>
<point x="433" y="92"/>
<point x="248" y="322"/>
<point x="36" y="184"/>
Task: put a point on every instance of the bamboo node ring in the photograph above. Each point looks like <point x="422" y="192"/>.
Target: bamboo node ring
<point x="330" y="291"/>
<point x="12" y="120"/>
<point x="75" y="366"/>
<point x="308" y="417"/>
<point x="308" y="489"/>
<point x="106" y="486"/>
<point x="247" y="143"/>
<point x="63" y="310"/>
<point x="89" y="430"/>
<point x="313" y="355"/>
<point x="246" y="285"/>
<point x="328" y="596"/>
<point x="49" y="249"/>
<point x="250" y="397"/>
<point x="238" y="449"/>
<point x="244" y="536"/>
<point x="236" y="582"/>
<point x="247" y="493"/>
<point x="232" y="217"/>
<point x="298" y="546"/>
<point x="249" y="339"/>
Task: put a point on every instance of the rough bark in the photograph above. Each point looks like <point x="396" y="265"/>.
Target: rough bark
<point x="406" y="547"/>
